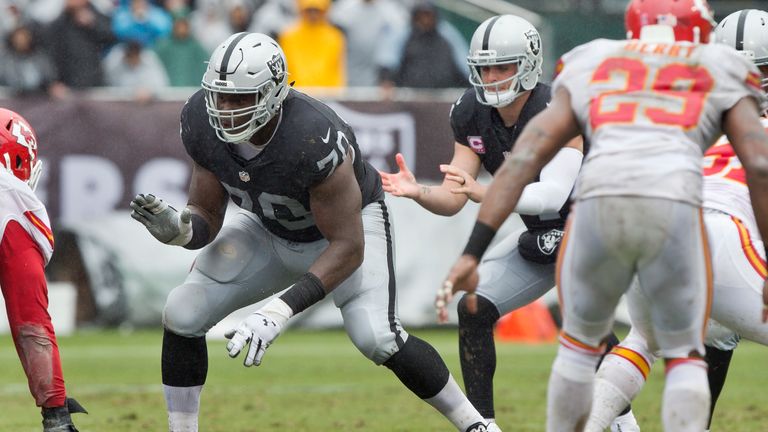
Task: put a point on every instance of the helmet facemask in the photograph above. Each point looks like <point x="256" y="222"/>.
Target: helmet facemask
<point x="504" y="92"/>
<point x="228" y="123"/>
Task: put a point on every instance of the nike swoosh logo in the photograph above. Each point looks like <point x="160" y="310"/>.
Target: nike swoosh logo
<point x="327" y="136"/>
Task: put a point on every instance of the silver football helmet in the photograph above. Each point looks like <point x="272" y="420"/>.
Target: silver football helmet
<point x="499" y="40"/>
<point x="245" y="63"/>
<point x="747" y="31"/>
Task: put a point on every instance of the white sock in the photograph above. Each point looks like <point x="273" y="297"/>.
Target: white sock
<point x="685" y="405"/>
<point x="570" y="387"/>
<point x="454" y="405"/>
<point x="183" y="406"/>
<point x="617" y="382"/>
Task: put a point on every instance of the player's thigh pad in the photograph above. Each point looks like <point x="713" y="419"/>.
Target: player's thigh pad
<point x="367" y="299"/>
<point x="738" y="269"/>
<point x="510" y="281"/>
<point x="594" y="271"/>
<point x="674" y="275"/>
<point x="240" y="267"/>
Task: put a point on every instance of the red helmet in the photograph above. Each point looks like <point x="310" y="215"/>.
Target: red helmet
<point x="18" y="147"/>
<point x="692" y="20"/>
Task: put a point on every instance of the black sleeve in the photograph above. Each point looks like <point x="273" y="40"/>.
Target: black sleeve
<point x="461" y="116"/>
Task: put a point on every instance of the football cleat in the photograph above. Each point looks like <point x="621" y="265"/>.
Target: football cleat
<point x="482" y="427"/>
<point x="625" y="423"/>
<point x="58" y="419"/>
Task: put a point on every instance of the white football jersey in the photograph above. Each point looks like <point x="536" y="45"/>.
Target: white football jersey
<point x="649" y="110"/>
<point x="19" y="203"/>
<point x="725" y="184"/>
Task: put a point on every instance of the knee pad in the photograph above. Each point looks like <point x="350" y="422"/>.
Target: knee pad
<point x="185" y="312"/>
<point x="378" y="347"/>
<point x="486" y="316"/>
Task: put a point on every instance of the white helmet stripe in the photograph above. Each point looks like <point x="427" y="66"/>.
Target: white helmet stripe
<point x="228" y="54"/>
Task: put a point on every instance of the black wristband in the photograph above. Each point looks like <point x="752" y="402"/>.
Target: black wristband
<point x="481" y="237"/>
<point x="307" y="291"/>
<point x="200" y="233"/>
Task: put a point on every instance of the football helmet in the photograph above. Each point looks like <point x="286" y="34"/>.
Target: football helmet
<point x="245" y="63"/>
<point x="18" y="148"/>
<point x="505" y="39"/>
<point x="691" y="20"/>
<point x="747" y="31"/>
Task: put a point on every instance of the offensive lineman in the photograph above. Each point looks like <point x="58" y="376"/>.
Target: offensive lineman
<point x="649" y="108"/>
<point x="26" y="246"/>
<point x="310" y="209"/>
<point x="738" y="258"/>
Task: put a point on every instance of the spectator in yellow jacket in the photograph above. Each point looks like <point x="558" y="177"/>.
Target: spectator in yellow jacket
<point x="314" y="48"/>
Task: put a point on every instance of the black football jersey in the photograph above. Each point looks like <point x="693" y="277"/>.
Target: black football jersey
<point x="310" y="142"/>
<point x="481" y="128"/>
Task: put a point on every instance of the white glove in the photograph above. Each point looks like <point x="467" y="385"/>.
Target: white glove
<point x="261" y="328"/>
<point x="164" y="222"/>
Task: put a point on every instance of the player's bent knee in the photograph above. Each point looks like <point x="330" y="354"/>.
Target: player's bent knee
<point x="486" y="315"/>
<point x="185" y="311"/>
<point x="376" y="347"/>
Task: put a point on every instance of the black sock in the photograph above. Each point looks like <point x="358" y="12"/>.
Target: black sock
<point x="184" y="360"/>
<point x="419" y="367"/>
<point x="477" y="352"/>
<point x="718" y="362"/>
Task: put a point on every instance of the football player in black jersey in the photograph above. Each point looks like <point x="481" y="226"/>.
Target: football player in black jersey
<point x="505" y="62"/>
<point x="312" y="218"/>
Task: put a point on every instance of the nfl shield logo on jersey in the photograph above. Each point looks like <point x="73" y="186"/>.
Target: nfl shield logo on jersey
<point x="244" y="176"/>
<point x="476" y="144"/>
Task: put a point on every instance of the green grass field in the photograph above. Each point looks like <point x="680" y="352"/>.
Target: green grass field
<point x="317" y="381"/>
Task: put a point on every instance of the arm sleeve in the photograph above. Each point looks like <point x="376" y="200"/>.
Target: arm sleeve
<point x="554" y="186"/>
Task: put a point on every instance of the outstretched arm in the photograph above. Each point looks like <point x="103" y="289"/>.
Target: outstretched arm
<point x="449" y="197"/>
<point x="194" y="226"/>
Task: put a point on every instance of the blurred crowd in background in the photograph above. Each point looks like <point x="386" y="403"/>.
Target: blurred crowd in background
<point x="57" y="47"/>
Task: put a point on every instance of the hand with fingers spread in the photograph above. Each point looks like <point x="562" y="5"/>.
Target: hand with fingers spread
<point x="403" y="183"/>
<point x="468" y="185"/>
<point x="260" y="331"/>
<point x="463" y="276"/>
<point x="164" y="222"/>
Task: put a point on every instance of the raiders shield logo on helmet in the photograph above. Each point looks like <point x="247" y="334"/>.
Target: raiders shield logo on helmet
<point x="534" y="41"/>
<point x="276" y="66"/>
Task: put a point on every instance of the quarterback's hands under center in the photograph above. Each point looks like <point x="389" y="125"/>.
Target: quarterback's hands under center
<point x="164" y="222"/>
<point x="258" y="329"/>
<point x="463" y="276"/>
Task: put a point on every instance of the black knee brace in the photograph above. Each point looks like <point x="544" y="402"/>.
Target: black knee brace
<point x="477" y="352"/>
<point x="419" y="367"/>
<point x="184" y="360"/>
